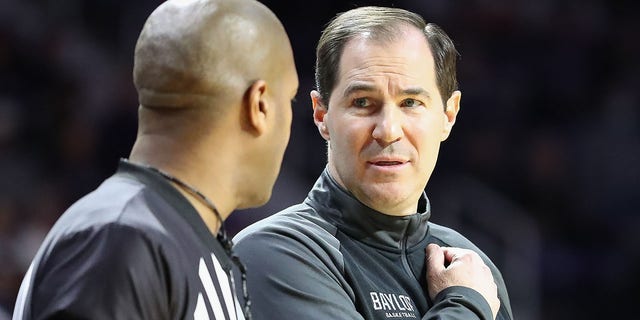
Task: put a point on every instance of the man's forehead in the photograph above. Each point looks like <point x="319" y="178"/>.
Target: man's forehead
<point x="365" y="62"/>
<point x="410" y="47"/>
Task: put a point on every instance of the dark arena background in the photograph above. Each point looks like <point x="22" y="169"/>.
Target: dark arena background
<point x="542" y="170"/>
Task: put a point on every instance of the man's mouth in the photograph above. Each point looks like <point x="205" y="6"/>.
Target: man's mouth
<point x="387" y="163"/>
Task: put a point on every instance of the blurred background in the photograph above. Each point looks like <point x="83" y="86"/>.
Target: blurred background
<point x="542" y="170"/>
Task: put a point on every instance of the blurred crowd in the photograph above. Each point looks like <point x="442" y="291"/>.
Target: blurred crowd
<point x="542" y="169"/>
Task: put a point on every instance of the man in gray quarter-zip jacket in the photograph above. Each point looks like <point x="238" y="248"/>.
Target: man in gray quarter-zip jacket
<point x="361" y="245"/>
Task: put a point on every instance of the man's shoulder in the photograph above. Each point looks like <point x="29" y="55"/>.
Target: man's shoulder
<point x="298" y="224"/>
<point x="290" y="244"/>
<point x="450" y="237"/>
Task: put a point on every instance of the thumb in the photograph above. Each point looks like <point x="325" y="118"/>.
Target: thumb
<point x="435" y="258"/>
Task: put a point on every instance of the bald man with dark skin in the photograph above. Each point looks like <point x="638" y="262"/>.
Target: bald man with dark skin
<point x="215" y="79"/>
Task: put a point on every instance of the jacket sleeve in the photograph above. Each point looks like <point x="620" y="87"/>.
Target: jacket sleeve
<point x="292" y="279"/>
<point x="114" y="272"/>
<point x="459" y="303"/>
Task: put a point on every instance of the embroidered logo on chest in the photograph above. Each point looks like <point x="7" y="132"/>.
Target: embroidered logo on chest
<point x="394" y="305"/>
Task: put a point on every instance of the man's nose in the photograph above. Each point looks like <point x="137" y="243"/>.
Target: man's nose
<point x="388" y="125"/>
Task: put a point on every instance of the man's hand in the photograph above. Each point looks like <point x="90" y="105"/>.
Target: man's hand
<point x="448" y="267"/>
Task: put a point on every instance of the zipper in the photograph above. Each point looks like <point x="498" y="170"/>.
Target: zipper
<point x="403" y="254"/>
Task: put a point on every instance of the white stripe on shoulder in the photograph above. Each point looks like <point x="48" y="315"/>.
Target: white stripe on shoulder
<point x="239" y="311"/>
<point x="201" y="312"/>
<point x="207" y="282"/>
<point x="227" y="293"/>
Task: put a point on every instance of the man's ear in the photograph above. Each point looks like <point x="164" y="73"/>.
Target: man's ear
<point x="256" y="107"/>
<point x="451" y="113"/>
<point x="319" y="113"/>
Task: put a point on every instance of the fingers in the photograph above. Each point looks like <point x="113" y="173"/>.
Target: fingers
<point x="449" y="266"/>
<point x="435" y="270"/>
<point x="435" y="258"/>
<point x="451" y="254"/>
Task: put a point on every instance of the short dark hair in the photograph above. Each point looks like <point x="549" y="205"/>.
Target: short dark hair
<point x="382" y="24"/>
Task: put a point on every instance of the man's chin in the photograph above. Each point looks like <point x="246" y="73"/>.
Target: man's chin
<point x="390" y="200"/>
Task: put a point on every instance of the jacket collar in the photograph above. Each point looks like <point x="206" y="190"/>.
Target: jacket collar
<point x="180" y="204"/>
<point x="360" y="222"/>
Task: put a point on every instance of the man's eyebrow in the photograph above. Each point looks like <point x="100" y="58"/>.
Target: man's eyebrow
<point x="416" y="91"/>
<point x="358" y="86"/>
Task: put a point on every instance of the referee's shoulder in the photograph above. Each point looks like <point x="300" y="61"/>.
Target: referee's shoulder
<point x="116" y="203"/>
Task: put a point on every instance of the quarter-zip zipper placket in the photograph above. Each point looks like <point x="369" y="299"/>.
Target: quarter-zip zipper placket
<point x="403" y="252"/>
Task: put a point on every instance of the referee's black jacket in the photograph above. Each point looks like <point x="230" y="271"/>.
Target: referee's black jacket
<point x="134" y="248"/>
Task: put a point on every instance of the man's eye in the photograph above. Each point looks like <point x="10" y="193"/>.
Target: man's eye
<point x="411" y="103"/>
<point x="361" y="102"/>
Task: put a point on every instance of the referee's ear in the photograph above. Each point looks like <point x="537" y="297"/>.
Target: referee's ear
<point x="256" y="107"/>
